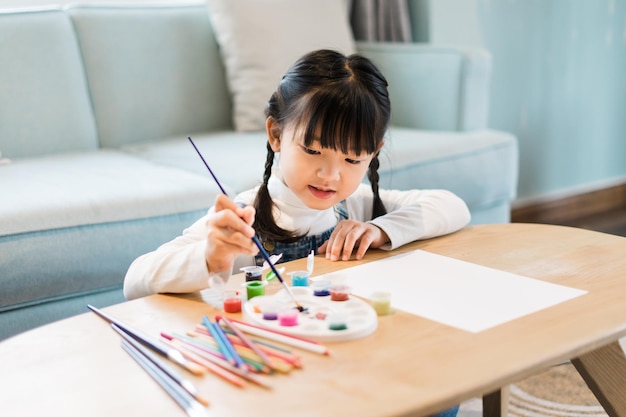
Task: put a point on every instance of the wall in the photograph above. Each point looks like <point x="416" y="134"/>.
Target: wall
<point x="558" y="84"/>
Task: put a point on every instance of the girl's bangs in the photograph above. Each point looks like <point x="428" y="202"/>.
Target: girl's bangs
<point x="345" y="123"/>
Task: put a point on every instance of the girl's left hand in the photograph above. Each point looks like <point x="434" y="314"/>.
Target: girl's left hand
<point x="350" y="234"/>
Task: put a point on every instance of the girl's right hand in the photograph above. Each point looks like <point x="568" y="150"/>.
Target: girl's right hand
<point x="229" y="234"/>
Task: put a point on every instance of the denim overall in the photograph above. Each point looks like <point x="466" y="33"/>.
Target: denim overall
<point x="303" y="247"/>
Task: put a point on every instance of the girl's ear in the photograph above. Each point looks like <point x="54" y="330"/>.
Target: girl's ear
<point x="380" y="146"/>
<point x="273" y="133"/>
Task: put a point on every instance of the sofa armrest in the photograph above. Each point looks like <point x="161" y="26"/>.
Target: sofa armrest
<point x="434" y="87"/>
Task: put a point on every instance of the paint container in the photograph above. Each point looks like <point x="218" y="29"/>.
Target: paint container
<point x="270" y="312"/>
<point x="214" y="295"/>
<point x="299" y="278"/>
<point x="321" y="288"/>
<point x="253" y="273"/>
<point x="254" y="288"/>
<point x="337" y="321"/>
<point x="288" y="317"/>
<point x="232" y="301"/>
<point x="381" y="302"/>
<point x="339" y="292"/>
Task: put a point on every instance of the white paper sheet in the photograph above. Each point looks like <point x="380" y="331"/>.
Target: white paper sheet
<point x="457" y="293"/>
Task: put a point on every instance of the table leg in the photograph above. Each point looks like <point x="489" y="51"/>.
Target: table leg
<point x="604" y="371"/>
<point x="495" y="404"/>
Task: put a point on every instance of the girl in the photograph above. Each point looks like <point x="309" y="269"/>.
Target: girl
<point x="325" y="126"/>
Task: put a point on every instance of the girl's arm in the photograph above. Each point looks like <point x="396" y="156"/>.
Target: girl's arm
<point x="411" y="215"/>
<point x="205" y="250"/>
<point x="176" y="266"/>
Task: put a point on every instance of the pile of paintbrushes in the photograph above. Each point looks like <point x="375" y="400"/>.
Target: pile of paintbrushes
<point x="220" y="347"/>
<point x="141" y="346"/>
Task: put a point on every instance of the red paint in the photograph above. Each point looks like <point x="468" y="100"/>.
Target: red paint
<point x="339" y="293"/>
<point x="232" y="305"/>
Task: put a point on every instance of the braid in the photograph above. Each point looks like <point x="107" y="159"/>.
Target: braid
<point x="264" y="222"/>
<point x="378" y="208"/>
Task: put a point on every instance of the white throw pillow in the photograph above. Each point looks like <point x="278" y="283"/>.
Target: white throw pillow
<point x="260" y="39"/>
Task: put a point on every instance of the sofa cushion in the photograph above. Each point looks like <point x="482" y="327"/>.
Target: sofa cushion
<point x="260" y="39"/>
<point x="449" y="88"/>
<point x="50" y="267"/>
<point x="43" y="92"/>
<point x="96" y="187"/>
<point x="153" y="71"/>
<point x="484" y="163"/>
<point x="237" y="159"/>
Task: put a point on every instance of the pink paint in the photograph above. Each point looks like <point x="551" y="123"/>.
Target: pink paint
<point x="288" y="317"/>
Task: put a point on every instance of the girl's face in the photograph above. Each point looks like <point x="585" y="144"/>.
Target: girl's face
<point x="320" y="177"/>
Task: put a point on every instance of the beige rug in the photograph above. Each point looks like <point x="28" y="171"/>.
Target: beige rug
<point x="557" y="392"/>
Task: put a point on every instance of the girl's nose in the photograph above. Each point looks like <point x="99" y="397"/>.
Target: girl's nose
<point x="328" y="171"/>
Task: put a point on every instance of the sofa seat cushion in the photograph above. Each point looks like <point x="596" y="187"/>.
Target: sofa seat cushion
<point x="66" y="190"/>
<point x="48" y="267"/>
<point x="237" y="159"/>
<point x="484" y="163"/>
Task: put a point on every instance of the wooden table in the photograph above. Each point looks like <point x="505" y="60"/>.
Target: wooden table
<point x="409" y="366"/>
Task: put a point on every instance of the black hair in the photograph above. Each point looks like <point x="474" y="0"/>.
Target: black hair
<point x="344" y="99"/>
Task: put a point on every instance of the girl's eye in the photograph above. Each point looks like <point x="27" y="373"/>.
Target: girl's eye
<point x="310" y="151"/>
<point x="352" y="161"/>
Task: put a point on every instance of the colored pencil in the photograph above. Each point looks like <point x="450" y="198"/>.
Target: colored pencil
<point x="277" y="353"/>
<point x="255" y="239"/>
<point x="199" y="356"/>
<point x="225" y="351"/>
<point x="295" y="341"/>
<point x="266" y="360"/>
<point x="269" y="348"/>
<point x="248" y="355"/>
<point x="209" y="345"/>
<point x="218" y="369"/>
<point x="206" y="344"/>
<point x="229" y="345"/>
<point x="224" y="344"/>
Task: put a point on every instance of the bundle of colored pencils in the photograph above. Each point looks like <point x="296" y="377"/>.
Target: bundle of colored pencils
<point x="229" y="353"/>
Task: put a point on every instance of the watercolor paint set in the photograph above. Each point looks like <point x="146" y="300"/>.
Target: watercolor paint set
<point x="331" y="313"/>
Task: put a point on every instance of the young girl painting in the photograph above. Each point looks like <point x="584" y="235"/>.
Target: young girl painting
<point x="325" y="125"/>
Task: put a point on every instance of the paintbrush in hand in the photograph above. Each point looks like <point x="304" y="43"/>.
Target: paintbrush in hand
<point x="255" y="239"/>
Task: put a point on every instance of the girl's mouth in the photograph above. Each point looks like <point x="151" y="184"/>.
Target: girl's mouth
<point x="320" y="193"/>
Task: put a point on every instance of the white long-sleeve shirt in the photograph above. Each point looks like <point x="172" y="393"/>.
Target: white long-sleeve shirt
<point x="179" y="266"/>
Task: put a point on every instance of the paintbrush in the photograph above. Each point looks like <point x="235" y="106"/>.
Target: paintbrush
<point x="186" y="401"/>
<point x="255" y="239"/>
<point x="152" y="343"/>
<point x="164" y="367"/>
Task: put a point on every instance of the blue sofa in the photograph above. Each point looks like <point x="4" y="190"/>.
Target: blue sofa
<point x="96" y="103"/>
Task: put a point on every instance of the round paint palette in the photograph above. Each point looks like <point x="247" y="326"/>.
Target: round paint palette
<point x="325" y="320"/>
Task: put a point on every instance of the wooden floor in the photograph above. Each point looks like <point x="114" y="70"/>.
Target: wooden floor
<point x="613" y="222"/>
<point x="601" y="210"/>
